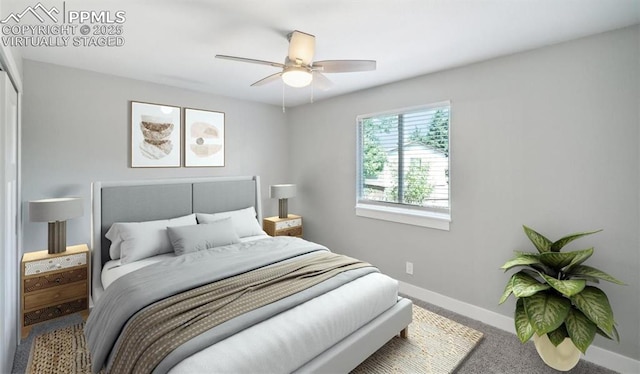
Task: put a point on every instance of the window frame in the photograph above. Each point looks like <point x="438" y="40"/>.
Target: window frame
<point x="397" y="212"/>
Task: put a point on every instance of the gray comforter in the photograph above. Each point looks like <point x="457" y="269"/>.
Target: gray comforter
<point x="134" y="291"/>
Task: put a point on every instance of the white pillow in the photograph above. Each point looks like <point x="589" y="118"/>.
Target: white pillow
<point x="185" y="239"/>
<point x="114" y="236"/>
<point x="244" y="221"/>
<point x="138" y="240"/>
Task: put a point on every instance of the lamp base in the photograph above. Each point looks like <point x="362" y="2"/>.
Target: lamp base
<point x="57" y="237"/>
<point x="283" y="208"/>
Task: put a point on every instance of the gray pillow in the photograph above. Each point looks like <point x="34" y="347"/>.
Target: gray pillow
<point x="187" y="239"/>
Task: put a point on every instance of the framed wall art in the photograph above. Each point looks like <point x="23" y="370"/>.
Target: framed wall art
<point x="155" y="135"/>
<point x="203" y="138"/>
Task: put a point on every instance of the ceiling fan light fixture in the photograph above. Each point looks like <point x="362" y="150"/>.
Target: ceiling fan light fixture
<point x="299" y="69"/>
<point x="297" y="76"/>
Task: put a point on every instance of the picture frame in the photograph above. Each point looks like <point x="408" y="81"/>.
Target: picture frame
<point x="204" y="138"/>
<point x="155" y="135"/>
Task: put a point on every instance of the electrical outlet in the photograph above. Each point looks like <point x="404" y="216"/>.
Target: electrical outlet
<point x="409" y="268"/>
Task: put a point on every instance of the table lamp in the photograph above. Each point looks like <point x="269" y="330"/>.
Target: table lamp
<point x="282" y="192"/>
<point x="56" y="212"/>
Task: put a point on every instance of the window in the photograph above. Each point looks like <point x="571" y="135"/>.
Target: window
<point x="403" y="166"/>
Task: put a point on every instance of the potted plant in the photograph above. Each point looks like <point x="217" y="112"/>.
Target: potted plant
<point x="554" y="299"/>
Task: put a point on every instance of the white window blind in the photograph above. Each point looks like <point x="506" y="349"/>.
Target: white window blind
<point x="403" y="160"/>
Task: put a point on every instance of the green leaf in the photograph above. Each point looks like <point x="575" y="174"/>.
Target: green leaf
<point x="545" y="269"/>
<point x="565" y="287"/>
<point x="507" y="290"/>
<point x="581" y="256"/>
<point x="558" y="244"/>
<point x="521" y="259"/>
<point x="585" y="277"/>
<point x="580" y="329"/>
<point x="558" y="335"/>
<point x="559" y="260"/>
<point x="540" y="242"/>
<point x="524" y="285"/>
<point x="584" y="270"/>
<point x="593" y="302"/>
<point x="616" y="336"/>
<point x="613" y="336"/>
<point x="523" y="327"/>
<point x="533" y="273"/>
<point x="546" y="311"/>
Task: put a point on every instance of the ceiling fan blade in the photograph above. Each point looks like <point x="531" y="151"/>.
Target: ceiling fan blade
<point x="269" y="79"/>
<point x="344" y="66"/>
<point x="321" y="82"/>
<point x="301" y="47"/>
<point x="250" y="60"/>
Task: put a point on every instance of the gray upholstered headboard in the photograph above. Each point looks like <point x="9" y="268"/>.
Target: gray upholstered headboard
<point x="136" y="201"/>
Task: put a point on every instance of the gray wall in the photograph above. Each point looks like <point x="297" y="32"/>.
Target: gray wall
<point x="547" y="138"/>
<point x="76" y="130"/>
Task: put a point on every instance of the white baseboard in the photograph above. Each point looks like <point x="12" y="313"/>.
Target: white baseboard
<point x="597" y="355"/>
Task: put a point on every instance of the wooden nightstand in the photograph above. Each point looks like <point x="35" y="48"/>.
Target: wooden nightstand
<point x="53" y="285"/>
<point x="290" y="226"/>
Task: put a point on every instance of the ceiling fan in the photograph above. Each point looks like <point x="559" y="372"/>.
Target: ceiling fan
<point x="299" y="69"/>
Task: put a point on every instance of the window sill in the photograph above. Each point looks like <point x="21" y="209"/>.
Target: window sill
<point x="439" y="221"/>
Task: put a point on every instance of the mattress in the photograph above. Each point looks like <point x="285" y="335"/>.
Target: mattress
<point x="288" y="340"/>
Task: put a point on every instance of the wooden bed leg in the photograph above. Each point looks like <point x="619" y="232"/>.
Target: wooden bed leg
<point x="404" y="333"/>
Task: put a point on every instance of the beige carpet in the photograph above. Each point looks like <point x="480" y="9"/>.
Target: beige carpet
<point x="435" y="345"/>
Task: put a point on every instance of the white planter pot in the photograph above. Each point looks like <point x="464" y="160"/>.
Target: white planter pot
<point x="563" y="357"/>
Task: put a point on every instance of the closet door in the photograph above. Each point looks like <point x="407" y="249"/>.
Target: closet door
<point x="8" y="218"/>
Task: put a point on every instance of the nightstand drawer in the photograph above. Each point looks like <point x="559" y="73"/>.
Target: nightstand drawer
<point x="56" y="263"/>
<point x="291" y="223"/>
<point x="53" y="280"/>
<point x="295" y="231"/>
<point x="55" y="311"/>
<point x="55" y="295"/>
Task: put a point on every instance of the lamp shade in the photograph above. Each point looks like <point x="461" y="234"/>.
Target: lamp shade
<point x="52" y="210"/>
<point x="282" y="191"/>
<point x="56" y="212"/>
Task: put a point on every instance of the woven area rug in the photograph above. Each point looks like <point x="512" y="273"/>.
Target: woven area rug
<point x="60" y="351"/>
<point x="435" y="345"/>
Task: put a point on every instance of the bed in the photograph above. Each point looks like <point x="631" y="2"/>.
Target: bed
<point x="331" y="326"/>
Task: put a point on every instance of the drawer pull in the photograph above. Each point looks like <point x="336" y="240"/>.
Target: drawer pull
<point x="58" y="280"/>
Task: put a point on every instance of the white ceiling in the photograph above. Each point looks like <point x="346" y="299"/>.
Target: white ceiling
<point x="174" y="42"/>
